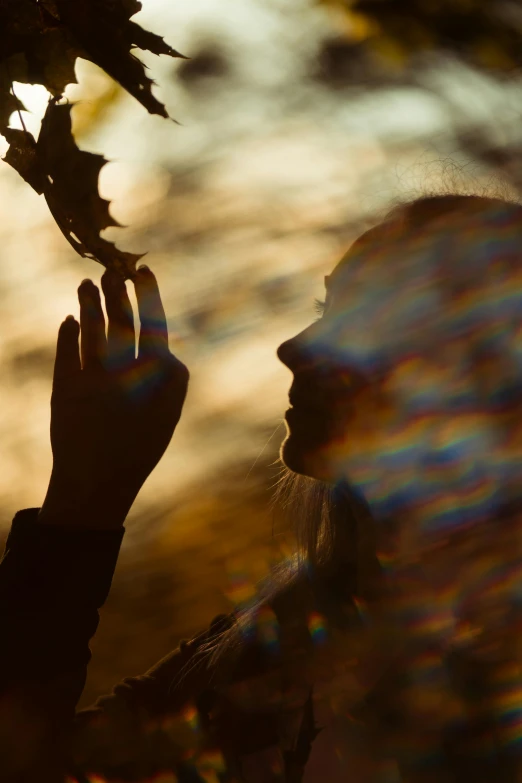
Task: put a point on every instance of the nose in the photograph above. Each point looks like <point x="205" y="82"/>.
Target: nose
<point x="324" y="353"/>
<point x="296" y="353"/>
<point x="285" y="353"/>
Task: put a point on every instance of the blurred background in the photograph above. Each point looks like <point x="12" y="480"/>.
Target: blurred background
<point x="300" y="123"/>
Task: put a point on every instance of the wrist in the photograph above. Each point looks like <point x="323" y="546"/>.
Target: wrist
<point x="85" y="507"/>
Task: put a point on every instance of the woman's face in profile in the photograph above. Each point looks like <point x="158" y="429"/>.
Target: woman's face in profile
<point x="336" y="395"/>
<point x="400" y="385"/>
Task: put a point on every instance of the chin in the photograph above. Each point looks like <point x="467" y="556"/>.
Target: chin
<point x="306" y="458"/>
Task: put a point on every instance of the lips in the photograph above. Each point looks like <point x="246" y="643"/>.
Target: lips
<point x="332" y="403"/>
<point x="335" y="390"/>
<point x="313" y="404"/>
<point x="300" y="401"/>
<point x="306" y="394"/>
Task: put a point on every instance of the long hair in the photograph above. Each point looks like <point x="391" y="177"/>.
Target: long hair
<point x="333" y="530"/>
<point x="334" y="562"/>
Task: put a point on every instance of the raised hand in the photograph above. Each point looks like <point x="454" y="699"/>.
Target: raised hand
<point x="112" y="413"/>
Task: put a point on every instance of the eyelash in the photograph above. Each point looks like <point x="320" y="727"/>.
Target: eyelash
<point x="319" y="307"/>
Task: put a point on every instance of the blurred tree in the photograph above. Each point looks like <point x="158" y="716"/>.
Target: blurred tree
<point x="209" y="62"/>
<point x="483" y="33"/>
<point x="401" y="42"/>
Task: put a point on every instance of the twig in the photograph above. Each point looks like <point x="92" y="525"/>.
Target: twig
<point x="18" y="103"/>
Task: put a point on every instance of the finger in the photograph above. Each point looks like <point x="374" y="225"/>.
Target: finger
<point x="67" y="363"/>
<point x="121" y="340"/>
<point x="92" y="323"/>
<point x="154" y="338"/>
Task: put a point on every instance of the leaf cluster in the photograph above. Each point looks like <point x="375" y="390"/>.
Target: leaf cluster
<point x="40" y="41"/>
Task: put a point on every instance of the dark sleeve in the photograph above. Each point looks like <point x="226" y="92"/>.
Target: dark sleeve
<point x="53" y="580"/>
<point x="149" y="723"/>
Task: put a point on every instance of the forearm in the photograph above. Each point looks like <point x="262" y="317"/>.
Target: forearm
<point x="72" y="505"/>
<point x="52" y="583"/>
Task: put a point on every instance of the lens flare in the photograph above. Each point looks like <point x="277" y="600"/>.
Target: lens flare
<point x="268" y="629"/>
<point x="317" y="627"/>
